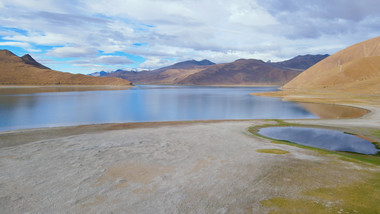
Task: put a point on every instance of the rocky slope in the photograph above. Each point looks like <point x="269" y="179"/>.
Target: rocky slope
<point x="25" y="70"/>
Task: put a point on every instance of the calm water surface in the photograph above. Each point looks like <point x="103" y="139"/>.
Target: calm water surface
<point x="141" y="104"/>
<point x="321" y="138"/>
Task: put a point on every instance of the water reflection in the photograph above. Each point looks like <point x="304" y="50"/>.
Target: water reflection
<point x="5" y="90"/>
<point x="333" y="111"/>
<point x="321" y="138"/>
<point x="143" y="104"/>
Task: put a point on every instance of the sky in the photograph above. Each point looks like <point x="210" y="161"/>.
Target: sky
<point x="85" y="36"/>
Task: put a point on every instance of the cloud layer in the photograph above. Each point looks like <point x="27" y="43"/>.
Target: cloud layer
<point x="154" y="33"/>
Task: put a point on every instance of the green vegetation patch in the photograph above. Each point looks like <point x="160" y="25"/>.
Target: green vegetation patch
<point x="376" y="133"/>
<point x="346" y="156"/>
<point x="293" y="206"/>
<point x="273" y="151"/>
<point x="359" y="197"/>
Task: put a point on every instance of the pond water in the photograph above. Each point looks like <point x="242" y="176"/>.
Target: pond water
<point x="33" y="108"/>
<point x="321" y="138"/>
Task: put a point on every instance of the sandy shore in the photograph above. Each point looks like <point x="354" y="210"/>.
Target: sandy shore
<point x="173" y="167"/>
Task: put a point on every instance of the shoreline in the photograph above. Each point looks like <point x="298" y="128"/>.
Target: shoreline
<point x="254" y="85"/>
<point x="183" y="167"/>
<point x="132" y="125"/>
<point x="66" y="86"/>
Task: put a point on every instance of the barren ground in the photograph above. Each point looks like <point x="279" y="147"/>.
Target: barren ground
<point x="179" y="167"/>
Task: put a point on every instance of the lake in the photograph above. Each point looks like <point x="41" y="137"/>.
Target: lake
<point x="32" y="108"/>
<point x="321" y="138"/>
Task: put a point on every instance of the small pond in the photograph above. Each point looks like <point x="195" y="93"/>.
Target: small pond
<point x="321" y="138"/>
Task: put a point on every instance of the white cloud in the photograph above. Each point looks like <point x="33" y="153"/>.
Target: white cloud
<point x="16" y="44"/>
<point x="175" y="30"/>
<point x="113" y="60"/>
<point x="155" y="62"/>
<point x="73" y="52"/>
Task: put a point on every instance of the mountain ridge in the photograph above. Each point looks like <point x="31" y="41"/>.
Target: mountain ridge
<point x="301" y="62"/>
<point x="179" y="73"/>
<point x="25" y="70"/>
<point x="241" y="72"/>
<point x="165" y="75"/>
<point x="31" y="61"/>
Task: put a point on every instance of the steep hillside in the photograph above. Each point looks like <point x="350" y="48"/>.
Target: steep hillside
<point x="25" y="70"/>
<point x="241" y="72"/>
<point x="30" y="61"/>
<point x="352" y="70"/>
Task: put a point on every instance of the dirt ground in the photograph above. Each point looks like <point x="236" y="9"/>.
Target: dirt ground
<point x="173" y="167"/>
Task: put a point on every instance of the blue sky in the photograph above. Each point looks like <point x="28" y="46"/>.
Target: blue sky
<point x="88" y="36"/>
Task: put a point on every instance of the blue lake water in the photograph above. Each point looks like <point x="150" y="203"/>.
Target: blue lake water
<point x="24" y="109"/>
<point x="321" y="138"/>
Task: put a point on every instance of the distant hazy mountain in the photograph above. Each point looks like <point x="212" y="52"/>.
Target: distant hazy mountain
<point x="166" y="75"/>
<point x="25" y="70"/>
<point x="205" y="72"/>
<point x="241" y="72"/>
<point x="98" y="74"/>
<point x="301" y="62"/>
<point x="355" y="69"/>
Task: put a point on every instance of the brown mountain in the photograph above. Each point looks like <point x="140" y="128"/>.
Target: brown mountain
<point x="301" y="62"/>
<point x="25" y="70"/>
<point x="30" y="61"/>
<point x="166" y="75"/>
<point x="355" y="69"/>
<point x="241" y="72"/>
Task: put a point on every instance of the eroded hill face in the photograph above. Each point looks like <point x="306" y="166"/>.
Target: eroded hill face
<point x="355" y="69"/>
<point x="25" y="70"/>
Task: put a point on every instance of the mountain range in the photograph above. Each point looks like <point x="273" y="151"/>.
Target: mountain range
<point x="301" y="62"/>
<point x="355" y="69"/>
<point x="205" y="72"/>
<point x="167" y="75"/>
<point x="25" y="70"/>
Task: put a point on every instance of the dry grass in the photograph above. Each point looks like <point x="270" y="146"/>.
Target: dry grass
<point x="273" y="151"/>
<point x="358" y="197"/>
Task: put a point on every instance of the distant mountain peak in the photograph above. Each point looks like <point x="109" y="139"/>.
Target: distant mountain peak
<point x="7" y="53"/>
<point x="194" y="63"/>
<point x="25" y="70"/>
<point x="301" y="62"/>
<point x="206" y="62"/>
<point x="30" y="61"/>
